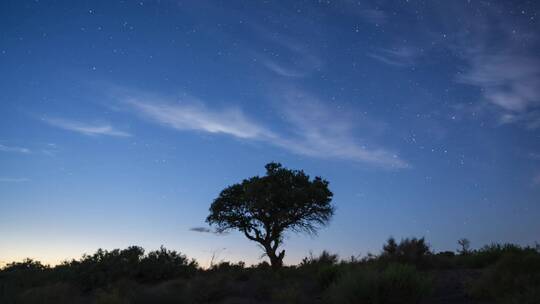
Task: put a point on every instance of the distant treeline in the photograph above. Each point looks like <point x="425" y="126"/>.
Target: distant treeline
<point x="404" y="272"/>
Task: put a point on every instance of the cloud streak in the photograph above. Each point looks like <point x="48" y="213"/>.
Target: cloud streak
<point x="509" y="80"/>
<point x="196" y="116"/>
<point x="86" y="128"/>
<point x="14" y="179"/>
<point x="505" y="69"/>
<point x="283" y="70"/>
<point x="285" y="56"/>
<point x="322" y="132"/>
<point x="22" y="150"/>
<point x="400" y="57"/>
<point x="315" y="130"/>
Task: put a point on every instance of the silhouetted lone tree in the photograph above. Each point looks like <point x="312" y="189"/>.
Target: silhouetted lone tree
<point x="465" y="245"/>
<point x="263" y="208"/>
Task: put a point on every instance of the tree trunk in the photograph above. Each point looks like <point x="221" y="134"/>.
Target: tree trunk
<point x="276" y="260"/>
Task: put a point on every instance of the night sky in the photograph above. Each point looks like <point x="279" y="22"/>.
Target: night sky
<point x="121" y="121"/>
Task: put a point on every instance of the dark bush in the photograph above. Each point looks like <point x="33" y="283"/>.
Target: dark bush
<point x="328" y="274"/>
<point x="413" y="251"/>
<point x="397" y="283"/>
<point x="17" y="277"/>
<point x="515" y="278"/>
<point x="490" y="254"/>
<point x="57" y="293"/>
<point x="164" y="264"/>
<point x="324" y="268"/>
<point x="325" y="258"/>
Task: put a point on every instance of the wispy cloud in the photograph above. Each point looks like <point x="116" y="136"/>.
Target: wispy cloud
<point x="4" y="148"/>
<point x="283" y="70"/>
<point x="13" y="179"/>
<point x="285" y="55"/>
<point x="534" y="155"/>
<point x="196" y="116"/>
<point x="401" y="57"/>
<point x="322" y="132"/>
<point x="366" y="11"/>
<point x="509" y="80"/>
<point x="86" y="128"/>
<point x="502" y="60"/>
<point x="528" y="119"/>
<point x="316" y="131"/>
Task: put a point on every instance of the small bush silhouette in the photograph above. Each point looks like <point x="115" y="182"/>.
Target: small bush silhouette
<point x="325" y="258"/>
<point x="324" y="268"/>
<point x="490" y="254"/>
<point x="395" y="284"/>
<point x="410" y="251"/>
<point x="515" y="278"/>
<point x="464" y="245"/>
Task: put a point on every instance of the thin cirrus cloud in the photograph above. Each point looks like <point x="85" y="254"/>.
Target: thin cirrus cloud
<point x="510" y="80"/>
<point x="301" y="61"/>
<point x="303" y="65"/>
<point x="319" y="134"/>
<point x="506" y="70"/>
<point x="400" y="57"/>
<point x="362" y="10"/>
<point x="283" y="70"/>
<point x="89" y="129"/>
<point x="14" y="179"/>
<point x="197" y="117"/>
<point x="320" y="131"/>
<point x="22" y="150"/>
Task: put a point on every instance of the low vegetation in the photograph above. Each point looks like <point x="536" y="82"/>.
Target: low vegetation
<point x="404" y="272"/>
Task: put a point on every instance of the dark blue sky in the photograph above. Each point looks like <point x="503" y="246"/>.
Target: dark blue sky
<point x="122" y="121"/>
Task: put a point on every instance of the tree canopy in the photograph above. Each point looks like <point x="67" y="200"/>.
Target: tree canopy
<point x="263" y="208"/>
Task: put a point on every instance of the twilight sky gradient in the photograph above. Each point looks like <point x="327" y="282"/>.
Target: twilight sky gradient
<point x="122" y="120"/>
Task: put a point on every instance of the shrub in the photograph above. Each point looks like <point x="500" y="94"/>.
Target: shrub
<point x="17" y="277"/>
<point x="264" y="265"/>
<point x="104" y="267"/>
<point x="58" y="293"/>
<point x="443" y="260"/>
<point x="327" y="275"/>
<point x="325" y="258"/>
<point x="409" y="251"/>
<point x="110" y="297"/>
<point x="515" y="278"/>
<point x="170" y="292"/>
<point x="324" y="268"/>
<point x="237" y="272"/>
<point x="490" y="254"/>
<point x="164" y="264"/>
<point x="395" y="284"/>
<point x="289" y="294"/>
<point x="228" y="266"/>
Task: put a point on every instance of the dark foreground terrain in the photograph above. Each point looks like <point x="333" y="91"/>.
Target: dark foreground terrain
<point x="405" y="272"/>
